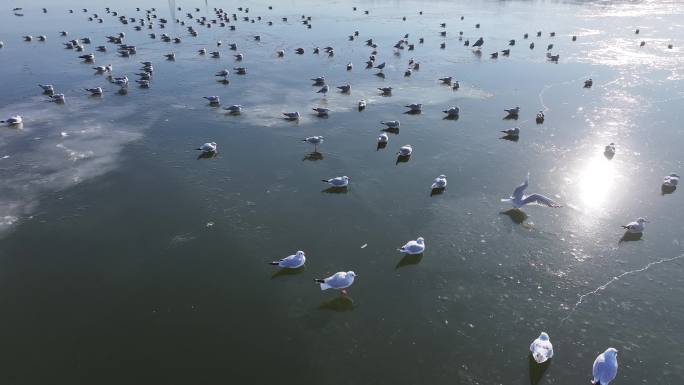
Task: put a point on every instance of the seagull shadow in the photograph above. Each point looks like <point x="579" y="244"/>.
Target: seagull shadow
<point x="282" y="272"/>
<point x="665" y="190"/>
<point x="402" y="159"/>
<point x="336" y="190"/>
<point x="313" y="156"/>
<point x="630" y="237"/>
<point x="539" y="120"/>
<point x="380" y="75"/>
<point x="295" y="120"/>
<point x="608" y="155"/>
<point x="517" y="216"/>
<point x="381" y="145"/>
<point x="16" y="126"/>
<point x="223" y="81"/>
<point x="511" y="138"/>
<point x="122" y="91"/>
<point x="409" y="259"/>
<point x="391" y="130"/>
<point x="322" y="116"/>
<point x="437" y="191"/>
<point x="537" y="370"/>
<point x="412" y="112"/>
<point x="511" y="117"/>
<point x="386" y="94"/>
<point x="233" y="113"/>
<point x="338" y="304"/>
<point x="451" y="117"/>
<point x="361" y="108"/>
<point x="207" y="155"/>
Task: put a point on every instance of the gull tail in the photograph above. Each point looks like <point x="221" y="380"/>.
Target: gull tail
<point x="274" y="263"/>
<point x="324" y="286"/>
<point x="625" y="227"/>
<point x="325" y="180"/>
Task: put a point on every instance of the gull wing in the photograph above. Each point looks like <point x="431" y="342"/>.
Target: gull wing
<point x="540" y="200"/>
<point x="518" y="192"/>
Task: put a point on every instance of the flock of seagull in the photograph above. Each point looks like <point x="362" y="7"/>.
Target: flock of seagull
<point x="605" y="365"/>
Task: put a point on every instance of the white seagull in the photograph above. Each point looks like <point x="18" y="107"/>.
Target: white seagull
<point x="513" y="111"/>
<point x="541" y="348"/>
<point x="605" y="367"/>
<point x="291" y="262"/>
<point x="213" y="100"/>
<point x="291" y="115"/>
<point x="405" y="150"/>
<point x="414" y="107"/>
<point x="440" y="182"/>
<point x="95" y="91"/>
<point x="338" y="281"/>
<point x="452" y="111"/>
<point x="340" y="181"/>
<point x="234" y="109"/>
<point x="315" y="140"/>
<point x="414" y="247"/>
<point x="518" y="199"/>
<point x="671" y="180"/>
<point x="47" y="87"/>
<point x="383" y="138"/>
<point x="208" y="147"/>
<point x="391" y="123"/>
<point x="636" y="227"/>
<point x="12" y="120"/>
<point x="321" y="111"/>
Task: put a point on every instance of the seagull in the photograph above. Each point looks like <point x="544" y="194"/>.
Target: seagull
<point x="291" y="115"/>
<point x="315" y="140"/>
<point x="319" y="80"/>
<point x="345" y="88"/>
<point x="405" y="150"/>
<point x="280" y="53"/>
<point x="102" y="69"/>
<point x="383" y="138"/>
<point x="414" y="107"/>
<point x="513" y="132"/>
<point x="440" y="182"/>
<point x="12" y="120"/>
<point x="47" y="88"/>
<point x="213" y="100"/>
<point x="452" y="111"/>
<point x="95" y="91"/>
<point x="609" y="150"/>
<point x="671" y="180"/>
<point x="322" y="111"/>
<point x="479" y="42"/>
<point x="605" y="367"/>
<point x="340" y="181"/>
<point x="291" y="262"/>
<point x="349" y="66"/>
<point x="391" y="123"/>
<point x="385" y="90"/>
<point x="202" y="51"/>
<point x="144" y="83"/>
<point x="540" y="117"/>
<point x="414" y="247"/>
<point x="456" y="85"/>
<point x="88" y="57"/>
<point x="588" y="83"/>
<point x="512" y="111"/>
<point x="518" y="199"/>
<point x="239" y="57"/>
<point x="339" y="281"/>
<point x="122" y="81"/>
<point x="240" y="70"/>
<point x="208" y="147"/>
<point x="323" y="90"/>
<point x="223" y="73"/>
<point x="58" y="98"/>
<point x="234" y="109"/>
<point x="170" y="56"/>
<point x="541" y="348"/>
<point x="636" y="227"/>
<point x="215" y="54"/>
<point x="446" y="80"/>
<point x="362" y="104"/>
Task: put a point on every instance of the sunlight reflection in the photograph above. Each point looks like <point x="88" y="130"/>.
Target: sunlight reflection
<point x="596" y="181"/>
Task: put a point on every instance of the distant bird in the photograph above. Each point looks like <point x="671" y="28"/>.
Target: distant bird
<point x="13" y="120"/>
<point x="479" y="42"/>
<point x="385" y="90"/>
<point x="291" y="262"/>
<point x="58" y="98"/>
<point x="605" y="367"/>
<point x="636" y="227"/>
<point x="339" y="281"/>
<point x="540" y="117"/>
<point x="280" y="53"/>
<point x="240" y="70"/>
<point x="532" y="45"/>
<point x="315" y="140"/>
<point x="321" y="111"/>
<point x="319" y="80"/>
<point x="291" y="115"/>
<point x="88" y="57"/>
<point x="541" y="348"/>
<point x="518" y="199"/>
<point x="47" y="88"/>
<point x="324" y="90"/>
<point x="234" y="109"/>
<point x="609" y="150"/>
<point x="513" y="111"/>
<point x="223" y="73"/>
<point x="215" y="54"/>
<point x="349" y="66"/>
<point x="414" y="107"/>
<point x="202" y="51"/>
<point x="213" y="100"/>
<point x="671" y="180"/>
<point x="643" y="43"/>
<point x="170" y="56"/>
<point x="391" y="123"/>
<point x="340" y="181"/>
<point x="512" y="132"/>
<point x="383" y="138"/>
<point x="588" y="83"/>
<point x="452" y="111"/>
<point x="239" y="57"/>
<point x="455" y="85"/>
<point x="346" y="88"/>
<point x="362" y="104"/>
<point x="95" y="91"/>
<point x="446" y="80"/>
<point x="405" y="150"/>
<point x="494" y="55"/>
<point x="413" y="247"/>
<point x="439" y="183"/>
<point x="208" y="147"/>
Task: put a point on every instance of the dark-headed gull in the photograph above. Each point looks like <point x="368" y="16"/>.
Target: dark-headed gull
<point x="208" y="147"/>
<point x="541" y="348"/>
<point x="12" y="120"/>
<point x="339" y="181"/>
<point x="291" y="262"/>
<point x="413" y="247"/>
<point x="636" y="227"/>
<point x="338" y="281"/>
<point x="605" y="367"/>
<point x="518" y="199"/>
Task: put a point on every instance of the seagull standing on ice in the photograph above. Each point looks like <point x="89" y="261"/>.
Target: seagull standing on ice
<point x="452" y="112"/>
<point x="339" y="281"/>
<point x="291" y="262"/>
<point x="213" y="100"/>
<point x="405" y="150"/>
<point x="440" y="182"/>
<point x="541" y="348"/>
<point x="512" y="111"/>
<point x="321" y="111"/>
<point x="345" y="89"/>
<point x="208" y="147"/>
<point x="383" y="138"/>
<point x="414" y="247"/>
<point x="291" y="115"/>
<point x="391" y="123"/>
<point x="234" y="109"/>
<point x="415" y="107"/>
<point x="636" y="227"/>
<point x="512" y="132"/>
<point x="671" y="180"/>
<point x="315" y="140"/>
<point x="605" y="367"/>
<point x="12" y="120"/>
<point x="518" y="199"/>
<point x="97" y="91"/>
